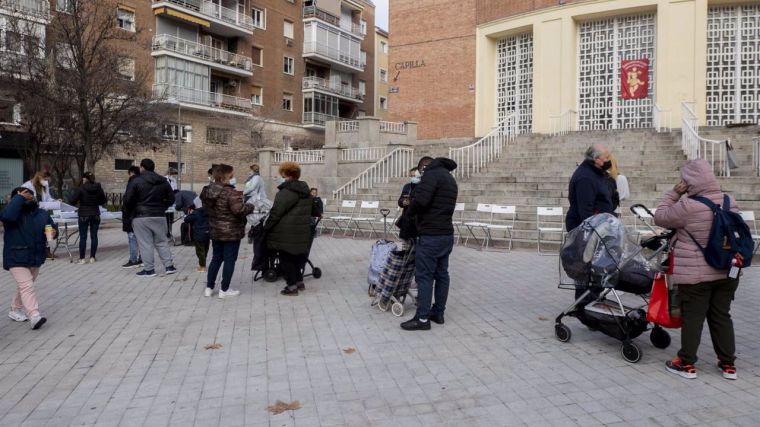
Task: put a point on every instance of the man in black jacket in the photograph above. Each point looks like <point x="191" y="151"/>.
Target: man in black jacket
<point x="148" y="197"/>
<point x="432" y="205"/>
<point x="589" y="193"/>
<point x="126" y="220"/>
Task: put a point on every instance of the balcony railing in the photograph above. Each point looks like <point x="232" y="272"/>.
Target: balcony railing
<point x="393" y="127"/>
<point x="36" y="8"/>
<point x="201" y="51"/>
<point x="315" y="12"/>
<point x="332" y="53"/>
<point x="215" y="11"/>
<point x="173" y="93"/>
<point x="326" y="85"/>
<point x="346" y="126"/>
<point x="319" y="119"/>
<point x="300" y="156"/>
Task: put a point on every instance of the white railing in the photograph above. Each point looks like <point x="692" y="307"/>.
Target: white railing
<point x="660" y="119"/>
<point x="393" y="127"/>
<point x="300" y="156"/>
<point x="169" y="92"/>
<point x="328" y="86"/>
<point x="563" y="123"/>
<point x="756" y="154"/>
<point x="395" y="164"/>
<point x="472" y="158"/>
<point x="37" y="8"/>
<point x="201" y="51"/>
<point x="332" y="53"/>
<point x="213" y="10"/>
<point x="697" y="147"/>
<point x="369" y="154"/>
<point x="315" y="12"/>
<point x="347" y="126"/>
<point x="319" y="119"/>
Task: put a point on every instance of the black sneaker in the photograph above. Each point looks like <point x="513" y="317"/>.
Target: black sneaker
<point x="301" y="286"/>
<point x="437" y="318"/>
<point x="170" y="270"/>
<point x="677" y="367"/>
<point x="415" y="324"/>
<point x="146" y="273"/>
<point x="290" y="292"/>
<point x="131" y="264"/>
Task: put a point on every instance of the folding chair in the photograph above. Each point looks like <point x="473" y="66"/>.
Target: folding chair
<point x="483" y="213"/>
<point x="321" y="225"/>
<point x="549" y="226"/>
<point x="342" y="221"/>
<point x="643" y="223"/>
<point x="749" y="218"/>
<point x="368" y="212"/>
<point x="504" y="223"/>
<point x="458" y="222"/>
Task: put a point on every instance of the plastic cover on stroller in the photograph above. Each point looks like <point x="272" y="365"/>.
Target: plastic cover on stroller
<point x="601" y="248"/>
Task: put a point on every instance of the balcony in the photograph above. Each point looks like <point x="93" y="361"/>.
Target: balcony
<point x="333" y="56"/>
<point x="202" y="100"/>
<point x="318" y="120"/>
<point x="35" y="9"/>
<point x="323" y="85"/>
<point x="315" y="12"/>
<point x="215" y="58"/>
<point x="221" y="20"/>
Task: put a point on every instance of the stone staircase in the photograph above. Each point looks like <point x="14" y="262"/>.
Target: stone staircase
<point x="535" y="169"/>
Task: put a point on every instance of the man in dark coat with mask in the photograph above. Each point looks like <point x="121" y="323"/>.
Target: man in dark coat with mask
<point x="589" y="193"/>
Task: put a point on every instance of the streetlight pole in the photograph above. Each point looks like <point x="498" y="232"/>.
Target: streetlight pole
<point x="179" y="145"/>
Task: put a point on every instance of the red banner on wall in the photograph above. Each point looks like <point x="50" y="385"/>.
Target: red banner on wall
<point x="634" y="78"/>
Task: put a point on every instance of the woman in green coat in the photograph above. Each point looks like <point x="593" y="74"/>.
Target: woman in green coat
<point x="288" y="228"/>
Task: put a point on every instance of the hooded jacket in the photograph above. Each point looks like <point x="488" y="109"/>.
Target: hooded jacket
<point x="435" y="198"/>
<point x="589" y="193"/>
<point x="90" y="197"/>
<point x="288" y="227"/>
<point x="127" y="213"/>
<point x="684" y="214"/>
<point x="24" y="242"/>
<point x="198" y="220"/>
<point x="149" y="195"/>
<point x="226" y="211"/>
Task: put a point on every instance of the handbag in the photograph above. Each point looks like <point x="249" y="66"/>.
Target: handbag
<point x="659" y="311"/>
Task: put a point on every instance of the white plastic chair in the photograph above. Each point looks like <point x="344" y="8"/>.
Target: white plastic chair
<point x="502" y="219"/>
<point x="342" y="221"/>
<point x="368" y="213"/>
<point x="550" y="225"/>
<point x="482" y="212"/>
<point x="749" y="218"/>
<point x="458" y="222"/>
<point x="643" y="223"/>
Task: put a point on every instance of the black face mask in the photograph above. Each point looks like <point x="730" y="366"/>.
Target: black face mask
<point x="30" y="205"/>
<point x="607" y="165"/>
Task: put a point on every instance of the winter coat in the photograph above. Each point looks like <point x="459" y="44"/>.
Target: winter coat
<point x="184" y="199"/>
<point x="405" y="223"/>
<point x="198" y="220"/>
<point x="226" y="211"/>
<point x="684" y="214"/>
<point x="149" y="196"/>
<point x="90" y="197"/>
<point x="44" y="197"/>
<point x="127" y="213"/>
<point x="435" y="198"/>
<point x="254" y="188"/>
<point x="589" y="193"/>
<point x="24" y="241"/>
<point x="288" y="227"/>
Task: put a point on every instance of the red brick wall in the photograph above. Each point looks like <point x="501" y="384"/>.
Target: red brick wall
<point x="491" y="10"/>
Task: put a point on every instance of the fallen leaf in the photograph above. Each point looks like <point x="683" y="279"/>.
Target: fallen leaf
<point x="214" y="346"/>
<point x="280" y="407"/>
<point x="93" y="292"/>
<point x="349" y="350"/>
<point x="542" y="318"/>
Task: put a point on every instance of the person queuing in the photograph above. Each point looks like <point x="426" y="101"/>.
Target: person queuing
<point x="318" y="211"/>
<point x="149" y="196"/>
<point x="127" y="214"/>
<point x="227" y="217"/>
<point x="432" y="206"/>
<point x="405" y="223"/>
<point x="254" y="185"/>
<point x="622" y="191"/>
<point x="172" y="178"/>
<point x="288" y="228"/>
<point x="197" y="217"/>
<point x="24" y="245"/>
<point x="89" y="197"/>
<point x="589" y="191"/>
<point x="40" y="186"/>
<point x="705" y="293"/>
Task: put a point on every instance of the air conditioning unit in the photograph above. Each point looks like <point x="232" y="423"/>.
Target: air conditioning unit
<point x="288" y="42"/>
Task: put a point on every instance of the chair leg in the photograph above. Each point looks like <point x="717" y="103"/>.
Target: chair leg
<point x="510" y="239"/>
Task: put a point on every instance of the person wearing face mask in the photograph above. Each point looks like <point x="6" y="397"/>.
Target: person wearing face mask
<point x="24" y="248"/>
<point x="210" y="175"/>
<point x="254" y="186"/>
<point x="39" y="185"/>
<point x="226" y="217"/>
<point x="589" y="192"/>
<point x="407" y="229"/>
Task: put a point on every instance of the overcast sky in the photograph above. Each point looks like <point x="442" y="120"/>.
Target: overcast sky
<point x="381" y="14"/>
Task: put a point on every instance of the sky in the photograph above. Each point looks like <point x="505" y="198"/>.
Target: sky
<point x="381" y="14"/>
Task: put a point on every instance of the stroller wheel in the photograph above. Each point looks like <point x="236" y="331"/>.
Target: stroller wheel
<point x="317" y="272"/>
<point x="659" y="337"/>
<point x="397" y="309"/>
<point x="562" y="332"/>
<point x="630" y="352"/>
<point x="383" y="306"/>
<point x="270" y="275"/>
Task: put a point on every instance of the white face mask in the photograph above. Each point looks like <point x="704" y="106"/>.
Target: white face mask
<point x="279" y="180"/>
<point x="211" y="179"/>
<point x="415" y="180"/>
<point x="45" y="183"/>
<point x="233" y="181"/>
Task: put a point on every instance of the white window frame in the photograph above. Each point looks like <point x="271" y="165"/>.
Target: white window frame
<point x="15" y="113"/>
<point x="224" y="133"/>
<point x="64" y="56"/>
<point x="287" y="97"/>
<point x="169" y="132"/>
<point x="260" y="58"/>
<point x="65" y="6"/>
<point x="363" y="57"/>
<point x="132" y="24"/>
<point x="285" y="33"/>
<point x="260" y="23"/>
<point x="288" y="63"/>
<point x="383" y="75"/>
<point x="129" y="65"/>
<point x="383" y="101"/>
<point x="363" y="27"/>
<point x="257" y="99"/>
<point x="383" y="47"/>
<point x="362" y="88"/>
<point x="183" y="166"/>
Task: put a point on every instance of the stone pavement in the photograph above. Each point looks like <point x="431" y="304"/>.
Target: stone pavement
<point x="121" y="351"/>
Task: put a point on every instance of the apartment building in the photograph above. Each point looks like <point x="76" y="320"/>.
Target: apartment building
<point x="382" y="73"/>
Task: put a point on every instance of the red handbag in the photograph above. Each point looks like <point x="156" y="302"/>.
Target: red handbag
<point x="659" y="305"/>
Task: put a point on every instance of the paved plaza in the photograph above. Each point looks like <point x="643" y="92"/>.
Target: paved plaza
<point x="118" y="351"/>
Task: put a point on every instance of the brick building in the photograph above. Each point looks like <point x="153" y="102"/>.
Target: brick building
<point x="381" y="73"/>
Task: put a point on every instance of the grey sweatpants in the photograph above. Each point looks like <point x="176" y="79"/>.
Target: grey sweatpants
<point x="151" y="236"/>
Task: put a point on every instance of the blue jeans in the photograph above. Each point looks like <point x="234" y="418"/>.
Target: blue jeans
<point x="134" y="252"/>
<point x="223" y="252"/>
<point x="92" y="223"/>
<point x="432" y="273"/>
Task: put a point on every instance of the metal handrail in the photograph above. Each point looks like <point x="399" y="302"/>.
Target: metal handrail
<point x="474" y="157"/>
<point x="201" y="51"/>
<point x="564" y="123"/>
<point x="300" y="156"/>
<point x="213" y="10"/>
<point x="313" y="82"/>
<point x="696" y="147"/>
<point x="395" y="164"/>
<point x="165" y="91"/>
<point x="660" y="119"/>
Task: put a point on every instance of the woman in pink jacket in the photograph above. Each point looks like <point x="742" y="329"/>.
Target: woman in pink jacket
<point x="704" y="291"/>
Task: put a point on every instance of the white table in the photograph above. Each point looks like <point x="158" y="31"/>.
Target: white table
<point x="68" y="229"/>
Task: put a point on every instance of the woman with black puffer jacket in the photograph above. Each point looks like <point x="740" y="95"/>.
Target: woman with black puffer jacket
<point x="90" y="197"/>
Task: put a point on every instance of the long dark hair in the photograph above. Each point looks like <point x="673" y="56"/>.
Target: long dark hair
<point x="89" y="176"/>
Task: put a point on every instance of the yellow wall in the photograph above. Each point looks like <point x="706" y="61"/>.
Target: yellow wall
<point x="381" y="61"/>
<point x="680" y="56"/>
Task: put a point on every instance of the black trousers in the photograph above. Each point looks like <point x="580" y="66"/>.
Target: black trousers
<point x="292" y="267"/>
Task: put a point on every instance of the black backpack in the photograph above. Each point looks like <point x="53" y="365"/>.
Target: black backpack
<point x="729" y="236"/>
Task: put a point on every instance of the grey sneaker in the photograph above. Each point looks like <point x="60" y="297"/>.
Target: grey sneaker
<point x="37" y="321"/>
<point x="18" y="315"/>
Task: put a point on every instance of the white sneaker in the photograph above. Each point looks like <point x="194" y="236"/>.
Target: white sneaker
<point x="208" y="292"/>
<point x="38" y="321"/>
<point x="81" y="261"/>
<point x="229" y="293"/>
<point x="92" y="260"/>
<point x="18" y="315"/>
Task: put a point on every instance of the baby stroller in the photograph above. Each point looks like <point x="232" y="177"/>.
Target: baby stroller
<point x="267" y="266"/>
<point x="394" y="285"/>
<point x="604" y="264"/>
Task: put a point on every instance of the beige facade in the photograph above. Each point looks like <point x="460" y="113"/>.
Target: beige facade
<point x="382" y="73"/>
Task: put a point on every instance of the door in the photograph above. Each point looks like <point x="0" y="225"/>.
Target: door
<point x="11" y="175"/>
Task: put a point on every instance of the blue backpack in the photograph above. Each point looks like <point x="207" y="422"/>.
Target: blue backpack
<point x="729" y="236"/>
